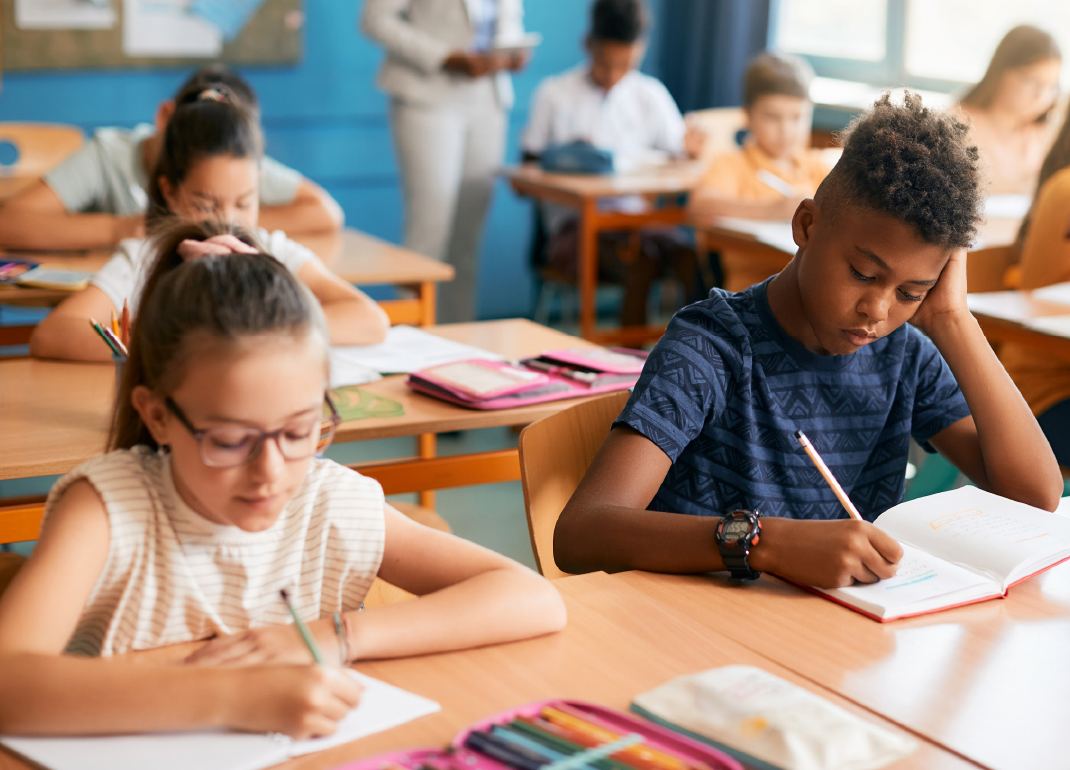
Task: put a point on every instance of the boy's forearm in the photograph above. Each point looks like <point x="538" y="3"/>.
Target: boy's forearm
<point x="49" y="694"/>
<point x="1017" y="459"/>
<point x="614" y="538"/>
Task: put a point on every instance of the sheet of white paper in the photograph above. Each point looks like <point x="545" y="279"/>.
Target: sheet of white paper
<point x="1055" y="325"/>
<point x="166" y="28"/>
<point x="64" y="14"/>
<point x="345" y="371"/>
<point x="775" y="234"/>
<point x="1007" y="206"/>
<point x="1057" y="292"/>
<point x="381" y="707"/>
<point x="408" y="350"/>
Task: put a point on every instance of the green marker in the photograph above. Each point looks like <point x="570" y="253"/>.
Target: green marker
<point x="317" y="656"/>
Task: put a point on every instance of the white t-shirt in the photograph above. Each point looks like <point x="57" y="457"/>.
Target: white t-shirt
<point x="106" y="175"/>
<point x="637" y="115"/>
<point x="122" y="275"/>
<point x="634" y="117"/>
<point x="172" y="576"/>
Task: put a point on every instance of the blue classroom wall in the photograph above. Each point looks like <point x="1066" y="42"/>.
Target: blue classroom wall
<point x="325" y="118"/>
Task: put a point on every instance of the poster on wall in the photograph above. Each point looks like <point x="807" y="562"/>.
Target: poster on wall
<point x="168" y="29"/>
<point x="64" y="14"/>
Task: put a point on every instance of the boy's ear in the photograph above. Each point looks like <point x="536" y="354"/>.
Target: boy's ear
<point x="153" y="413"/>
<point x="803" y="222"/>
<point x="163" y="115"/>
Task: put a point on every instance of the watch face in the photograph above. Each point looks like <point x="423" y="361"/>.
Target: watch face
<point x="736" y="530"/>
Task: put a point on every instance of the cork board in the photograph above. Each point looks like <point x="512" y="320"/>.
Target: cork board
<point x="274" y="35"/>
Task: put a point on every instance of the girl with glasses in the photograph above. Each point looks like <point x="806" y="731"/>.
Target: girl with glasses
<point x="211" y="500"/>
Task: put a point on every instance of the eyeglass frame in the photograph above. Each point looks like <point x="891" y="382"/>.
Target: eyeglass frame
<point x="199" y="433"/>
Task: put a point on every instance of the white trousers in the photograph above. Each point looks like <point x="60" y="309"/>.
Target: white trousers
<point x="448" y="155"/>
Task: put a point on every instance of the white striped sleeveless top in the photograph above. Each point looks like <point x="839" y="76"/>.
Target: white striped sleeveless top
<point x="172" y="576"/>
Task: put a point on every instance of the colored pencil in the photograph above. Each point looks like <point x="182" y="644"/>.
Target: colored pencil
<point x="302" y="629"/>
<point x="114" y="324"/>
<point x="116" y="342"/>
<point x="100" y="330"/>
<point x="823" y="469"/>
<point x="124" y="323"/>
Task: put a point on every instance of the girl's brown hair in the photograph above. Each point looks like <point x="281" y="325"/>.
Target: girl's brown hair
<point x="1057" y="159"/>
<point x="1022" y="46"/>
<point x="205" y="124"/>
<point x="218" y="297"/>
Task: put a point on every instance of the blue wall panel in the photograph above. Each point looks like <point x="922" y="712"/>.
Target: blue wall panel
<point x="325" y="118"/>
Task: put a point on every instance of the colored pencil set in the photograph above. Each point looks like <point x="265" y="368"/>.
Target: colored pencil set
<point x="117" y="334"/>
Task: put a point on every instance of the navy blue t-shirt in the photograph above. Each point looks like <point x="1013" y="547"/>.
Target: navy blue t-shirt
<point x="726" y="388"/>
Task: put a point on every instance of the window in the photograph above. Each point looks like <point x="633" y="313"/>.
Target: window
<point x="940" y="45"/>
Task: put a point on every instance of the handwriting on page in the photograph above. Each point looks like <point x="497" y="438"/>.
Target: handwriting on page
<point x="919" y="578"/>
<point x="974" y="522"/>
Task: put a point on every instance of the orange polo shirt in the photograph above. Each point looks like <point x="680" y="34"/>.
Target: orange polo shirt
<point x="1043" y="379"/>
<point x="734" y="174"/>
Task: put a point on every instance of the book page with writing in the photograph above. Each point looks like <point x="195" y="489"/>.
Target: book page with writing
<point x="922" y="583"/>
<point x="982" y="532"/>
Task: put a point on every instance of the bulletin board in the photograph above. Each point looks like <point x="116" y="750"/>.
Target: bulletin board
<point x="272" y="33"/>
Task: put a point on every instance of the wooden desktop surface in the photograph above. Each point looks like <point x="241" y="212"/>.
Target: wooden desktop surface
<point x="623" y="638"/>
<point x="54" y="415"/>
<point x="987" y="681"/>
<point x="1003" y="315"/>
<point x="529" y="179"/>
<point x="355" y="256"/>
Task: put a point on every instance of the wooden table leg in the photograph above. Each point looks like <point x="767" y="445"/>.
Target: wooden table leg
<point x="427" y="450"/>
<point x="587" y="266"/>
<point x="428" y="299"/>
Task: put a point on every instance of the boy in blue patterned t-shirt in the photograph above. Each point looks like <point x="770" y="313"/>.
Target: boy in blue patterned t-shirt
<point x="824" y="347"/>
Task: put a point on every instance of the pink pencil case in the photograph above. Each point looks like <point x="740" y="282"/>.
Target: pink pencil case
<point x="611" y="360"/>
<point x="554" y="388"/>
<point x="459" y="757"/>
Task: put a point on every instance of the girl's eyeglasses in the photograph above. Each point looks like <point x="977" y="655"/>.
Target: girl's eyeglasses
<point x="230" y="446"/>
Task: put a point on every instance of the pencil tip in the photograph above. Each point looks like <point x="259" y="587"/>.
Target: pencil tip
<point x="285" y="596"/>
<point x="799" y="434"/>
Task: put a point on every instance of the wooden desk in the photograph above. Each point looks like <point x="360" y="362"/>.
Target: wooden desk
<point x="582" y="193"/>
<point x="355" y="256"/>
<point x="987" y="682"/>
<point x="622" y="639"/>
<point x="54" y="416"/>
<point x="1003" y="314"/>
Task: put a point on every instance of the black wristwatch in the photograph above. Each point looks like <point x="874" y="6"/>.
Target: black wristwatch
<point x="736" y="534"/>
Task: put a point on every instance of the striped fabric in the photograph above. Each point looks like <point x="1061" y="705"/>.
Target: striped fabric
<point x="172" y="576"/>
<point x="725" y="389"/>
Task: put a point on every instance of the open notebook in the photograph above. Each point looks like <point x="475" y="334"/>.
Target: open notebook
<point x="959" y="547"/>
<point x="381" y="707"/>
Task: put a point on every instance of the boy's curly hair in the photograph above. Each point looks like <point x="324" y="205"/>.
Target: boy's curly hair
<point x="913" y="163"/>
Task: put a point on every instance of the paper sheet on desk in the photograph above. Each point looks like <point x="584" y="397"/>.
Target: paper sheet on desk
<point x="775" y="234"/>
<point x="381" y="707"/>
<point x="1056" y="325"/>
<point x="1008" y="206"/>
<point x="406" y="350"/>
<point x="1057" y="292"/>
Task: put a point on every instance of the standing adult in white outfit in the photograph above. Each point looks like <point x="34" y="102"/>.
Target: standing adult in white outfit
<point x="450" y="95"/>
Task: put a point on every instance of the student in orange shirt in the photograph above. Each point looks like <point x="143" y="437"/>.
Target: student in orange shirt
<point x="1045" y="259"/>
<point x="775" y="170"/>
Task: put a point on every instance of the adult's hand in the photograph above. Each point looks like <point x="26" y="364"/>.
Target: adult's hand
<point x="475" y="65"/>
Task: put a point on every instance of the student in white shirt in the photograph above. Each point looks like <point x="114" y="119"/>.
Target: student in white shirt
<point x="99" y="195"/>
<point x="207" y="170"/>
<point x="608" y="103"/>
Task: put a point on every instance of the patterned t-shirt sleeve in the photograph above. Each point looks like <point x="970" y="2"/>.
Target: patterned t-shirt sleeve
<point x="687" y="378"/>
<point x="938" y="401"/>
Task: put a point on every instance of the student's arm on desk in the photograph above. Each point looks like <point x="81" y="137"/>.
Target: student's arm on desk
<point x="37" y="219"/>
<point x="65" y="332"/>
<point x="47" y="692"/>
<point x="1000" y="446"/>
<point x="704" y="207"/>
<point x="469" y="596"/>
<point x="605" y="526"/>
<point x="312" y="211"/>
<point x="353" y="318"/>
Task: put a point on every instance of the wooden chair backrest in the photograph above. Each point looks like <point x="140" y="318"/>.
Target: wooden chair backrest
<point x="41" y="146"/>
<point x="554" y="455"/>
<point x="721" y="125"/>
<point x="987" y="269"/>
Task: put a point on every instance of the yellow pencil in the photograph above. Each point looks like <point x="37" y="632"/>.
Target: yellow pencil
<point x="115" y="324"/>
<point x="827" y="474"/>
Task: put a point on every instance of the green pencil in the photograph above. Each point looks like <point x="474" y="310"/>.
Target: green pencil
<point x="303" y="629"/>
